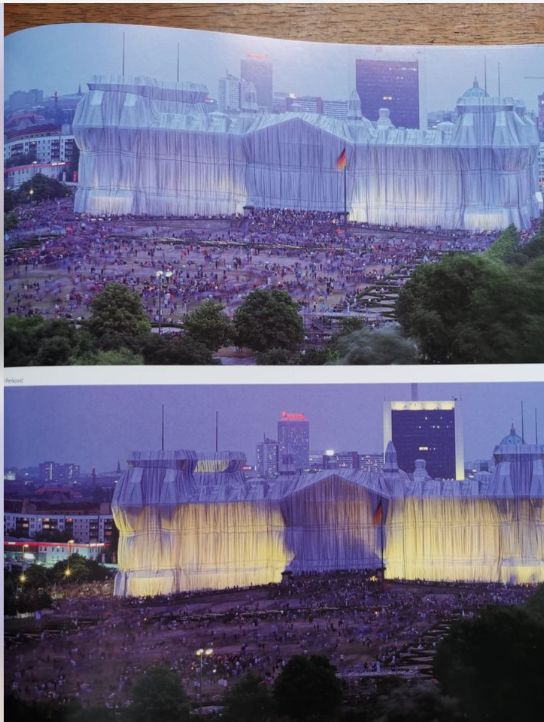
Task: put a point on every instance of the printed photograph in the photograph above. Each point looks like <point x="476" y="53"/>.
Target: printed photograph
<point x="324" y="553"/>
<point x="187" y="197"/>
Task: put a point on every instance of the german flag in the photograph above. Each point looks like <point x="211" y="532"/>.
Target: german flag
<point x="342" y="160"/>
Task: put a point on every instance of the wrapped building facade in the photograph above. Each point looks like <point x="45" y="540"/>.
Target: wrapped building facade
<point x="192" y="521"/>
<point x="151" y="149"/>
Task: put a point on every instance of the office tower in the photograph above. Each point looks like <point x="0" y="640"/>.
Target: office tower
<point x="341" y="459"/>
<point x="52" y="471"/>
<point x="392" y="84"/>
<point x="267" y="458"/>
<point x="429" y="430"/>
<point x="248" y="97"/>
<point x="229" y="94"/>
<point x="305" y="104"/>
<point x="294" y="443"/>
<point x="257" y="69"/>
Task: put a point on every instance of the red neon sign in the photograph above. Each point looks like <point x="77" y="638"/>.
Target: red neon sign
<point x="286" y="416"/>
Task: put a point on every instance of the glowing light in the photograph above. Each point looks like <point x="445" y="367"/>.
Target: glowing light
<point x="286" y="416"/>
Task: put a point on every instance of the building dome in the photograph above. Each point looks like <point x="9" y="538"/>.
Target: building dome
<point x="512" y="438"/>
<point x="475" y="91"/>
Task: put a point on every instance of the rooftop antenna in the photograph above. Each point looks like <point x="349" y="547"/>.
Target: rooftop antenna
<point x="123" y="73"/>
<point x="216" y="431"/>
<point x="162" y="427"/>
<point x="522" y="424"/>
<point x="499" y="77"/>
<point x="178" y="64"/>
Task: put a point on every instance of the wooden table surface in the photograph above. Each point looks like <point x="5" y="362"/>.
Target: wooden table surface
<point x="349" y="23"/>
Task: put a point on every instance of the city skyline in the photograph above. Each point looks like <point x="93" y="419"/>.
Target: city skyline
<point x="59" y="58"/>
<point x="98" y="426"/>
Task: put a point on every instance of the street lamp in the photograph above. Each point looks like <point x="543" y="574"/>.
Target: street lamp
<point x="160" y="275"/>
<point x="201" y="653"/>
<point x="67" y="571"/>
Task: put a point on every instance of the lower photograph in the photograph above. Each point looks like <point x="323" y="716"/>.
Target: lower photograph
<point x="274" y="553"/>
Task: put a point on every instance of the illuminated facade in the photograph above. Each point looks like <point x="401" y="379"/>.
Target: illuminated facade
<point x="147" y="148"/>
<point x="428" y="430"/>
<point x="257" y="69"/>
<point x="293" y="443"/>
<point x="392" y="84"/>
<point x="191" y="521"/>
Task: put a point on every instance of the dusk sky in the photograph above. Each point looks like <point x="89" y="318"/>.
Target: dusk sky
<point x="60" y="57"/>
<point x="99" y="425"/>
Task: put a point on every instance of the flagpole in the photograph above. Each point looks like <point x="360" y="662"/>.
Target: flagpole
<point x="381" y="548"/>
<point x="345" y="194"/>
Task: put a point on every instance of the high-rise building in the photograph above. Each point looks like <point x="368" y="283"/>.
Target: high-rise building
<point x="257" y="69"/>
<point x="341" y="459"/>
<point x="52" y="471"/>
<point x="267" y="458"/>
<point x="229" y="94"/>
<point x="429" y="430"/>
<point x="293" y="442"/>
<point x="540" y="120"/>
<point x="371" y="462"/>
<point x="392" y="84"/>
<point x="335" y="108"/>
<point x="248" y="97"/>
<point x="305" y="104"/>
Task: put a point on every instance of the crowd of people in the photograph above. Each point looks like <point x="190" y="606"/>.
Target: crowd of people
<point x="93" y="647"/>
<point x="57" y="261"/>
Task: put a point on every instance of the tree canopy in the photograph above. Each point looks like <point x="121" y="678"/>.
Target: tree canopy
<point x="494" y="664"/>
<point x="41" y="188"/>
<point x="118" y="319"/>
<point x="471" y="309"/>
<point x="158" y="694"/>
<point x="383" y="346"/>
<point x="35" y="341"/>
<point x="308" y="688"/>
<point x="209" y="325"/>
<point x="248" y="701"/>
<point x="268" y="320"/>
<point x="174" y="349"/>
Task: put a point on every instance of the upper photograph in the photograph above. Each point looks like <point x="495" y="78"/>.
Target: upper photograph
<point x="185" y="197"/>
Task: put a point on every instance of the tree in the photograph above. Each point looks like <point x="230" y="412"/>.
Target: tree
<point x="41" y="188"/>
<point x="10" y="221"/>
<point x="494" y="664"/>
<point x="267" y="320"/>
<point x="208" y="325"/>
<point x="418" y="703"/>
<point x="158" y="694"/>
<point x="118" y="319"/>
<point x="385" y="346"/>
<point x="274" y="357"/>
<point x="535" y="247"/>
<point x="173" y="349"/>
<point x="36" y="577"/>
<point x="80" y="570"/>
<point x="308" y="688"/>
<point x="35" y="341"/>
<point x="535" y="604"/>
<point x="507" y="247"/>
<point x="119" y="357"/>
<point x="470" y="309"/>
<point x="248" y="701"/>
